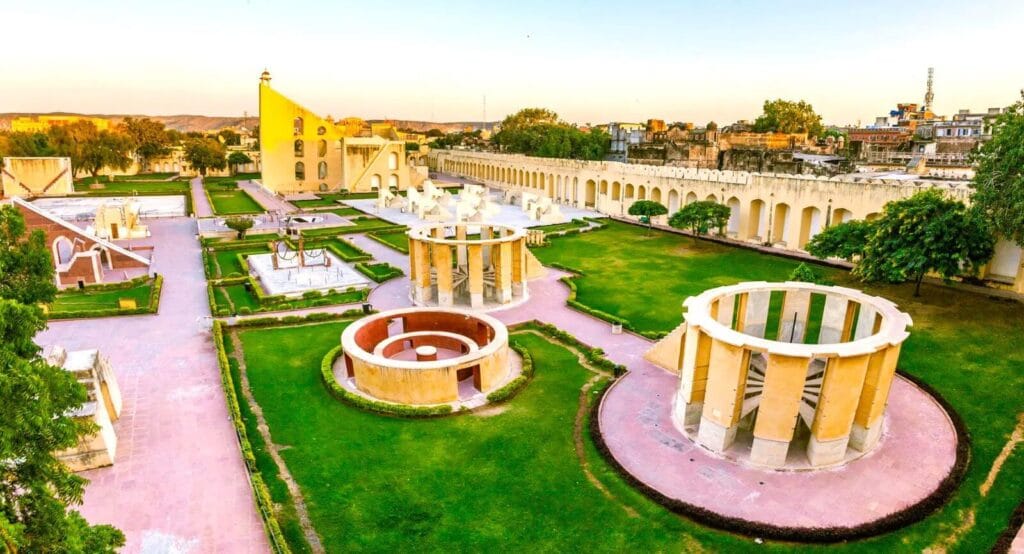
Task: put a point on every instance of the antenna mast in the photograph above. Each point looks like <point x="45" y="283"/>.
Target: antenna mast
<point x="929" y="96"/>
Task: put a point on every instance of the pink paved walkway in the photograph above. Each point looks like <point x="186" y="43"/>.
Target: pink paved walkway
<point x="200" y="205"/>
<point x="178" y="484"/>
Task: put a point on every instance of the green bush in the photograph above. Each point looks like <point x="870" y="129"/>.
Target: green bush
<point x="513" y="387"/>
<point x="379" y="272"/>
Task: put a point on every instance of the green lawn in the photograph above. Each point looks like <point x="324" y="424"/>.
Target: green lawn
<point x="965" y="345"/>
<point x="226" y="263"/>
<point x="398" y="240"/>
<point x="232" y="201"/>
<point x="136" y="187"/>
<point x="556" y="227"/>
<point x="231" y="299"/>
<point x="325" y="199"/>
<point x="345" y="211"/>
<point x="508" y="482"/>
<point x="363" y="223"/>
<point x="71" y="301"/>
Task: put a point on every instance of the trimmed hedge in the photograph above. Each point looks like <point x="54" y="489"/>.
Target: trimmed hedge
<point x="595" y="356"/>
<point x="513" y="387"/>
<point x="820" y="535"/>
<point x="399" y="247"/>
<point x="579" y="306"/>
<point x="259" y="487"/>
<point x="1006" y="538"/>
<point x="348" y="397"/>
<point x="151" y="308"/>
<point x="315" y="317"/>
<point x="275" y="303"/>
<point x="379" y="272"/>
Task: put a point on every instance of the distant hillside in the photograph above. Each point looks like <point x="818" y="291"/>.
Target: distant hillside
<point x="214" y="123"/>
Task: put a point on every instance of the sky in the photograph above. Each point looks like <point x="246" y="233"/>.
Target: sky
<point x="591" y="62"/>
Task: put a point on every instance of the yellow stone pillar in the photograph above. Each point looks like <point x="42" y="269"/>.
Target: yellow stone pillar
<point x="476" y="275"/>
<point x="460" y="250"/>
<point x="518" y="268"/>
<point x="485" y="235"/>
<point x="693" y="376"/>
<point x="779" y="409"/>
<point x="837" y="405"/>
<point x="502" y="258"/>
<point x="723" y="398"/>
<point x="423" y="292"/>
<point x="443" y="269"/>
<point x="867" y="423"/>
<point x="755" y="316"/>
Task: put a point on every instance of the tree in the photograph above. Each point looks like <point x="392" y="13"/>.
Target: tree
<point x="230" y="137"/>
<point x="239" y="224"/>
<point x="529" y="117"/>
<point x="844" y="240"/>
<point x="26" y="268"/>
<point x="925" y="233"/>
<point x="538" y="132"/>
<point x="69" y="140"/>
<point x="999" y="175"/>
<point x="785" y="116"/>
<point x="804" y="273"/>
<point x="236" y="159"/>
<point x="435" y="133"/>
<point x="647" y="209"/>
<point x="700" y="217"/>
<point x="149" y="139"/>
<point x="106" y="149"/>
<point x="205" y="153"/>
<point x="35" y="420"/>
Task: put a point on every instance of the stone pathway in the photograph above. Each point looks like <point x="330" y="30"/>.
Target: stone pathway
<point x="200" y="204"/>
<point x="178" y="484"/>
<point x="270" y="202"/>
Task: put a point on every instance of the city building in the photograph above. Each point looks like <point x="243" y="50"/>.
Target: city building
<point x="40" y="124"/>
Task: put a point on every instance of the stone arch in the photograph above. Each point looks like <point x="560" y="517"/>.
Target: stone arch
<point x="575" y="186"/>
<point x="840" y="215"/>
<point x="63" y="250"/>
<point x="630" y="191"/>
<point x="321" y="170"/>
<point x="104" y="255"/>
<point x="300" y="125"/>
<point x="375" y="181"/>
<point x="393" y="160"/>
<point x="616" y="191"/>
<point x="673" y="201"/>
<point x="392" y="181"/>
<point x="872" y="216"/>
<point x="641" y="193"/>
<point x="590" y="194"/>
<point x="551" y="186"/>
<point x="780" y="220"/>
<point x="733" y="227"/>
<point x="321" y="148"/>
<point x="300" y="171"/>
<point x="811" y="223"/>
<point x="300" y="148"/>
<point x="757" y="221"/>
<point x="711" y="198"/>
<point x="691" y="197"/>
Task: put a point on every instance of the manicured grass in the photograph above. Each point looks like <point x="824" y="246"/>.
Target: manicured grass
<point x="231" y="299"/>
<point x="73" y="301"/>
<point x="398" y="240"/>
<point x="325" y="199"/>
<point x="345" y="212"/>
<point x="226" y="263"/>
<point x="136" y="187"/>
<point x="233" y="201"/>
<point x="964" y="345"/>
<point x="509" y="482"/>
<point x="362" y="223"/>
<point x="556" y="227"/>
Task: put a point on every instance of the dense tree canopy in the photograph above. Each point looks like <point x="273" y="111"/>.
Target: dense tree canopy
<point x="35" y="487"/>
<point x="538" y="132"/>
<point x="106" y="149"/>
<point x="701" y="217"/>
<point x="785" y="116"/>
<point x="999" y="176"/>
<point x="925" y="233"/>
<point x="844" y="240"/>
<point x="237" y="158"/>
<point x="149" y="138"/>
<point x="239" y="224"/>
<point x="647" y="209"/>
<point x="205" y="154"/>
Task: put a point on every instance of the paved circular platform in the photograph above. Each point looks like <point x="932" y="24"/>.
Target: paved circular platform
<point x="918" y="451"/>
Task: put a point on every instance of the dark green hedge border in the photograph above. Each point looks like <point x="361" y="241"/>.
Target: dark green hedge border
<point x="821" y="535"/>
<point x="259" y="487"/>
<point x="151" y="308"/>
<point x="372" y="235"/>
<point x="570" y="282"/>
<point x="379" y="272"/>
<point x="512" y="388"/>
<point x="593" y="355"/>
<point x="1013" y="526"/>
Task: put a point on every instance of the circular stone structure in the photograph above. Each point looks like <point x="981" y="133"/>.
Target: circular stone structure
<point x="788" y="361"/>
<point x="419" y="356"/>
<point x="841" y="379"/>
<point x="474" y="265"/>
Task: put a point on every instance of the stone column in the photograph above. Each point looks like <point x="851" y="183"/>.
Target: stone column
<point x="777" y="414"/>
<point x="867" y="322"/>
<point x="741" y="311"/>
<point x="837" y="405"/>
<point x="756" y="314"/>
<point x="423" y="292"/>
<point x="693" y="377"/>
<point x="723" y="399"/>
<point x="833" y="319"/>
<point x="502" y="258"/>
<point x="867" y="423"/>
<point x="722" y="310"/>
<point x="518" y="268"/>
<point x="793" y="318"/>
<point x="475" y="269"/>
<point x="460" y="250"/>
<point x="443" y="269"/>
<point x="485" y="235"/>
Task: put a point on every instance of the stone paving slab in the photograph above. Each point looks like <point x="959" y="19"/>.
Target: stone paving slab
<point x="178" y="483"/>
